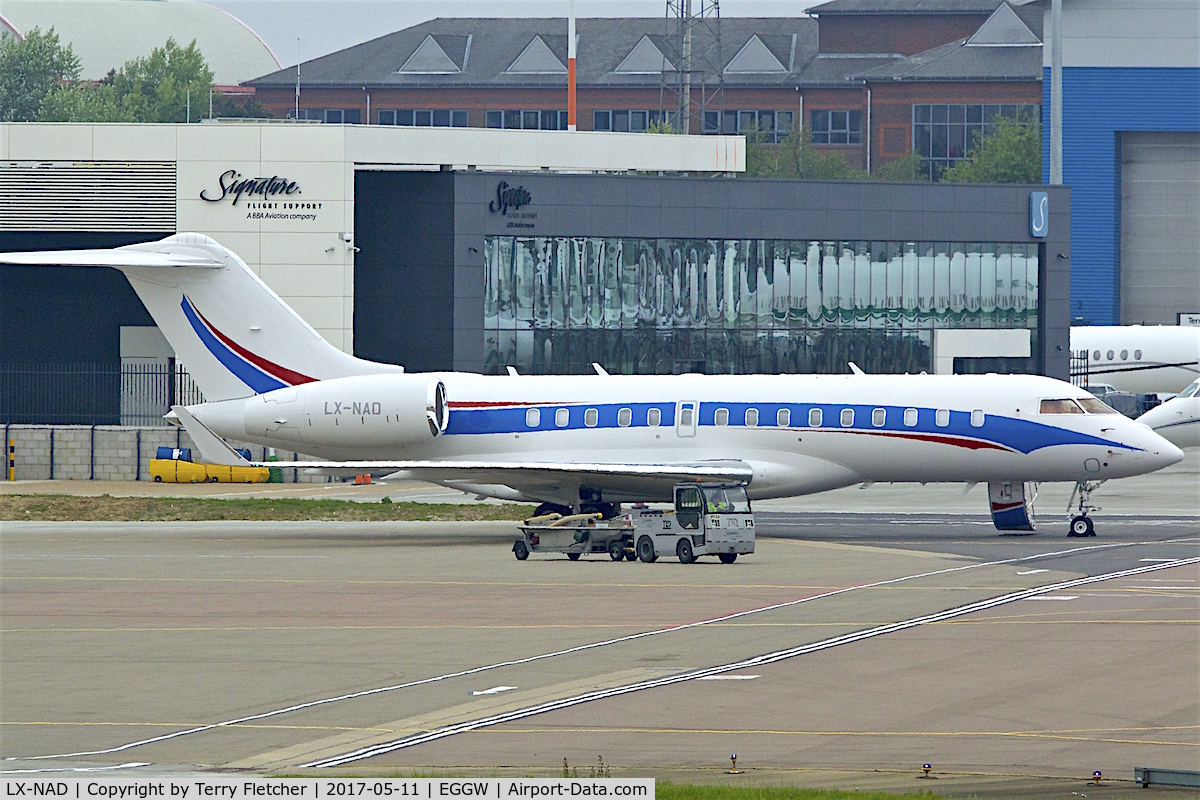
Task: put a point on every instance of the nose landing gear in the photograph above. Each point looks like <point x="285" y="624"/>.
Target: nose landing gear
<point x="1081" y="523"/>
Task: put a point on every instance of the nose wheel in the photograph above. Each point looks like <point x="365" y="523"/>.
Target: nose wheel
<point x="1081" y="523"/>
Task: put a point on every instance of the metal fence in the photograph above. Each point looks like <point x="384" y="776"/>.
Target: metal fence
<point x="1079" y="368"/>
<point x="94" y="394"/>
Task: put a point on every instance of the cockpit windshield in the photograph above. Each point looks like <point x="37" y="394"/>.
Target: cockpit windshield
<point x="726" y="500"/>
<point x="1063" y="405"/>
<point x="1095" y="406"/>
<point x="1191" y="390"/>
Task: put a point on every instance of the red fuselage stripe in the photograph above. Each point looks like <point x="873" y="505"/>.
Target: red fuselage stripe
<point x="282" y="373"/>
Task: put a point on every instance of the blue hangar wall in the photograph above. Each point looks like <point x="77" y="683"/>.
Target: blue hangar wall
<point x="1099" y="103"/>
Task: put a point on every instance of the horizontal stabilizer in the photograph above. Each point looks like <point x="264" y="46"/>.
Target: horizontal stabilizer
<point x="119" y="257"/>
<point x="213" y="449"/>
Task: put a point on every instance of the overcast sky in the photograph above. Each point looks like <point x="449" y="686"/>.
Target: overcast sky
<point x="324" y="26"/>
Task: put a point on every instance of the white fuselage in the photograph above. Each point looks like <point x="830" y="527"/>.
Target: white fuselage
<point x="1140" y="358"/>
<point x="800" y="433"/>
<point x="1178" y="419"/>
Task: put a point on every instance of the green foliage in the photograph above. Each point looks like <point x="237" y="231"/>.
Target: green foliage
<point x="30" y="69"/>
<point x="795" y="157"/>
<point x="151" y="89"/>
<point x="225" y="105"/>
<point x="83" y="102"/>
<point x="682" y="791"/>
<point x="906" y="169"/>
<point x="156" y="88"/>
<point x="1011" y="153"/>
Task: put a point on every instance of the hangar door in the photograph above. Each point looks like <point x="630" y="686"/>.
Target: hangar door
<point x="1160" y="226"/>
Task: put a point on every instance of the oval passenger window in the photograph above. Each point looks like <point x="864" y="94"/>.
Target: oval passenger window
<point x="721" y="417"/>
<point x="625" y="417"/>
<point x="814" y="418"/>
<point x="561" y="417"/>
<point x="533" y="417"/>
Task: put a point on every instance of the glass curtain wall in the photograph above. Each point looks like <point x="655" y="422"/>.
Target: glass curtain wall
<point x="554" y="305"/>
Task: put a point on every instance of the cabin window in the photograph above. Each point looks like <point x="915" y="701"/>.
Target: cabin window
<point x="910" y="417"/>
<point x="1110" y="355"/>
<point x="783" y="417"/>
<point x="1061" y="406"/>
<point x="1137" y="355"/>
<point x="942" y="417"/>
<point x="685" y="417"/>
<point x="814" y="418"/>
<point x="625" y="417"/>
<point x="847" y="417"/>
<point x="1094" y="406"/>
<point x="654" y="417"/>
<point x="591" y="417"/>
<point x="1124" y="355"/>
<point x="1096" y="355"/>
<point x="533" y="417"/>
<point x="751" y="417"/>
<point x="879" y="417"/>
<point x="977" y="418"/>
<point x="722" y="416"/>
<point x="561" y="417"/>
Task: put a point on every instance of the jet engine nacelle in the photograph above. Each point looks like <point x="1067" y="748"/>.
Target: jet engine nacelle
<point x="366" y="410"/>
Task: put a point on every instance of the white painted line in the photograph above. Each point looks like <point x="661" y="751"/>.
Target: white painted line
<point x="1058" y="597"/>
<point x="1032" y="571"/>
<point x="728" y="678"/>
<point x="130" y="765"/>
<point x="755" y="661"/>
<point x="494" y="690"/>
<point x="602" y="643"/>
<point x="1154" y="560"/>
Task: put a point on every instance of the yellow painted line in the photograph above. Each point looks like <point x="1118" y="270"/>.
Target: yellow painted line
<point x="519" y="585"/>
<point x="252" y="628"/>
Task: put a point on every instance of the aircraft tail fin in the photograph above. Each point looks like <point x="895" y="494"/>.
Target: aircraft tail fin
<point x="236" y="337"/>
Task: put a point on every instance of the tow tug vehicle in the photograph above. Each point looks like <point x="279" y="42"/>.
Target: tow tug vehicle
<point x="708" y="519"/>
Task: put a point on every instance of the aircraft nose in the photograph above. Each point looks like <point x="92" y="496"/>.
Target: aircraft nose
<point x="1160" y="452"/>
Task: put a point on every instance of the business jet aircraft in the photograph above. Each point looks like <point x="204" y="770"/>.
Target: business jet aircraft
<point x="1178" y="419"/>
<point x="1140" y="358"/>
<point x="592" y="442"/>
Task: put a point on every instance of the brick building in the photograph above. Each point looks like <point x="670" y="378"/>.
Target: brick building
<point x="873" y="79"/>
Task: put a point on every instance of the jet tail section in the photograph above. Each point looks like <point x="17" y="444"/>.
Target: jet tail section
<point x="236" y="336"/>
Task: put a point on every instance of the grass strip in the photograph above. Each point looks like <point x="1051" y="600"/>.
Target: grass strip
<point x="687" y="791"/>
<point x="105" y="508"/>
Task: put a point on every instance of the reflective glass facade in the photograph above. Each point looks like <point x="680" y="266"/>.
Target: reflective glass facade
<point x="645" y="306"/>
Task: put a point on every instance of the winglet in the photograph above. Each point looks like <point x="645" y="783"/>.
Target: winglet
<point x="213" y="449"/>
<point x="601" y="371"/>
<point x="855" y="368"/>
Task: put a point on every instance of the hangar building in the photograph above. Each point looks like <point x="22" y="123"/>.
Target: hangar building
<point x="477" y="249"/>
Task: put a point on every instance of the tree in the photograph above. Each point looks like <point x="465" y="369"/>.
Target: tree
<point x="795" y="157"/>
<point x="30" y="69"/>
<point x="157" y="88"/>
<point x="906" y="169"/>
<point x="1011" y="153"/>
<point x="228" y="105"/>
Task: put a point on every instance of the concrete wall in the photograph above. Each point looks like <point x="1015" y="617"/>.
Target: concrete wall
<point x="106" y="452"/>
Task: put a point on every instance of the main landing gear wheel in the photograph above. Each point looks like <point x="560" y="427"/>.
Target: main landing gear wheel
<point x="645" y="550"/>
<point x="551" y="508"/>
<point x="520" y="550"/>
<point x="727" y="558"/>
<point x="616" y="549"/>
<point x="1082" y="526"/>
<point x="573" y="556"/>
<point x="684" y="551"/>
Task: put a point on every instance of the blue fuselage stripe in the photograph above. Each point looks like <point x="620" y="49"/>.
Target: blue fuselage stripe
<point x="1020" y="435"/>
<point x="246" y="372"/>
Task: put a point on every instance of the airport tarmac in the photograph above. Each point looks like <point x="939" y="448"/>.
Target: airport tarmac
<point x="271" y="646"/>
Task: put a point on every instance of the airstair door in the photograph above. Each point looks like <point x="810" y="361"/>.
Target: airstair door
<point x="685" y="417"/>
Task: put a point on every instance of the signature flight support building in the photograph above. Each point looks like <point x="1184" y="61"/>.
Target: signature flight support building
<point x="475" y="249"/>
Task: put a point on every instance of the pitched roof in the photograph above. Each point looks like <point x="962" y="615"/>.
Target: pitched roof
<point x="533" y="52"/>
<point x="1001" y="50"/>
<point x="904" y="7"/>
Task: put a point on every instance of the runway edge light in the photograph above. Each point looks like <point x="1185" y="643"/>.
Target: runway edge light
<point x="733" y="770"/>
<point x="927" y="768"/>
